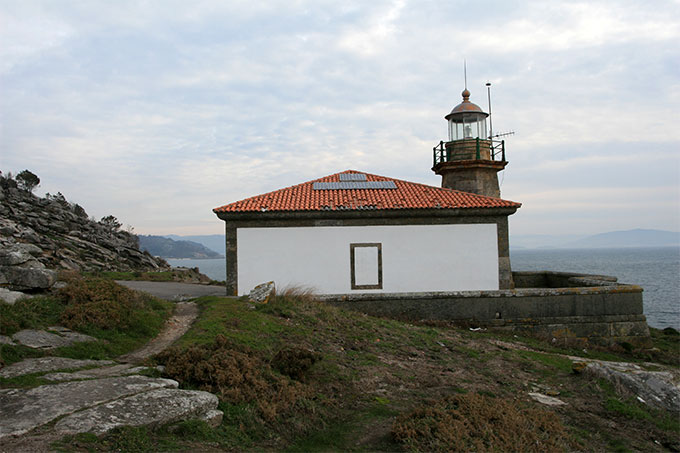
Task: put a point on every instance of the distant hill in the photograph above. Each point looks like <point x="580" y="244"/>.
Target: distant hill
<point x="612" y="239"/>
<point x="169" y="248"/>
<point x="629" y="238"/>
<point x="214" y="242"/>
<point x="541" y="241"/>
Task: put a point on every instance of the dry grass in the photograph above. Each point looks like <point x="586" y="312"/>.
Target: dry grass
<point x="474" y="422"/>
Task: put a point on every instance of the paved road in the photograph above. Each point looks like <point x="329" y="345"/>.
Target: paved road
<point x="175" y="291"/>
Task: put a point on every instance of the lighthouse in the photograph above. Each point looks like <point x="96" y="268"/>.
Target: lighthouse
<point x="470" y="160"/>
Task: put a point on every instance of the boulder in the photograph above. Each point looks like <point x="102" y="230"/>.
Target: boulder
<point x="22" y="410"/>
<point x="262" y="293"/>
<point x="10" y="296"/>
<point x="153" y="408"/>
<point x="27" y="278"/>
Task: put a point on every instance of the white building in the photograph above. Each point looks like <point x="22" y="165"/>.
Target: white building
<point x="354" y="232"/>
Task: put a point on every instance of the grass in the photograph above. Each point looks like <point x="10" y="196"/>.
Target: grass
<point x="299" y="375"/>
<point x="120" y="319"/>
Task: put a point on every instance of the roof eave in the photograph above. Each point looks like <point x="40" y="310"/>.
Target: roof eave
<point x="367" y="214"/>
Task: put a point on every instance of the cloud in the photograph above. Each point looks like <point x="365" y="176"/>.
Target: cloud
<point x="157" y="112"/>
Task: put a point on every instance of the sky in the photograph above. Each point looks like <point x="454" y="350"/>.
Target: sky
<point x="157" y="112"/>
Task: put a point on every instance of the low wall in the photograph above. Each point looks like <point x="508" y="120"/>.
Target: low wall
<point x="566" y="306"/>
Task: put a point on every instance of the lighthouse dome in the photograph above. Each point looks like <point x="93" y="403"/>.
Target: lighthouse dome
<point x="466" y="106"/>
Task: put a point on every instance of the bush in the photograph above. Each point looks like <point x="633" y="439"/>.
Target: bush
<point x="235" y="373"/>
<point x="98" y="303"/>
<point x="294" y="362"/>
<point x="111" y="223"/>
<point x="27" y="180"/>
<point x="473" y="422"/>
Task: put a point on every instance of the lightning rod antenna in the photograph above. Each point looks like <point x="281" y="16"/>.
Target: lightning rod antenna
<point x="488" y="92"/>
<point x="465" y="72"/>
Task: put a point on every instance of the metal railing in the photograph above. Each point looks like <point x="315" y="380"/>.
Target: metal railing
<point x="441" y="154"/>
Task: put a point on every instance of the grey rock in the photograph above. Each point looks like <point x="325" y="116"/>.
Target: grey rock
<point x="22" y="278"/>
<point x="657" y="389"/>
<point x="14" y="257"/>
<point x="262" y="293"/>
<point x="6" y="340"/>
<point x="10" y="296"/>
<point x="547" y="400"/>
<point x="213" y="418"/>
<point x="157" y="407"/>
<point x="40" y="339"/>
<point x="43" y="364"/>
<point x="22" y="410"/>
<point x="95" y="373"/>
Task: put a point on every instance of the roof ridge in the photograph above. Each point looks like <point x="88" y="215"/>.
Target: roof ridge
<point x="411" y="195"/>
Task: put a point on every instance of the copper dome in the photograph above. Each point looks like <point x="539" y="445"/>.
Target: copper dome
<point x="466" y="106"/>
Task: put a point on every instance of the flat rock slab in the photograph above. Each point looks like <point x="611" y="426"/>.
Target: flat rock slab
<point x="547" y="400"/>
<point x="22" y="410"/>
<point x="43" y="364"/>
<point x="40" y="339"/>
<point x="124" y="369"/>
<point x="654" y="388"/>
<point x="156" y="407"/>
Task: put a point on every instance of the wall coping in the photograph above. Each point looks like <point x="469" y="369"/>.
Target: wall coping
<point x="587" y="284"/>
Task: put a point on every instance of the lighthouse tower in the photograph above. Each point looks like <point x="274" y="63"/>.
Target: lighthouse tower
<point x="471" y="159"/>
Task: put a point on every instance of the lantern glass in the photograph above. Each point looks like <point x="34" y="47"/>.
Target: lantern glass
<point x="467" y="126"/>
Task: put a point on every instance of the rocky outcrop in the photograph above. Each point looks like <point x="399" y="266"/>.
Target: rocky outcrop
<point x="56" y="338"/>
<point x="157" y="407"/>
<point x="23" y="410"/>
<point x="658" y="389"/>
<point x="40" y="236"/>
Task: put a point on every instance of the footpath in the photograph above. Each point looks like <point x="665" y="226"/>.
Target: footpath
<point x="96" y="396"/>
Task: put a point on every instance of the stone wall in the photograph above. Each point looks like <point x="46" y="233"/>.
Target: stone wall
<point x="567" y="307"/>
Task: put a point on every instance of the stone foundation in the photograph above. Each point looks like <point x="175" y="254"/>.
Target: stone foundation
<point x="569" y="307"/>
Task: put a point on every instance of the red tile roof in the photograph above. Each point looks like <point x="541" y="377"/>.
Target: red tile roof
<point x="407" y="195"/>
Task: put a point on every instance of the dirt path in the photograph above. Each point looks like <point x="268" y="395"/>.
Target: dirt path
<point x="184" y="315"/>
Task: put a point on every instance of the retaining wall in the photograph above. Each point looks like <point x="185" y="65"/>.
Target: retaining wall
<point x="565" y="306"/>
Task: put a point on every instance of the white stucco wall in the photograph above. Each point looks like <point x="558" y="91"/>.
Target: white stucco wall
<point x="414" y="257"/>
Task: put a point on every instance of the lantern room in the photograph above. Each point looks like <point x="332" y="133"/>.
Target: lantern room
<point x="467" y="120"/>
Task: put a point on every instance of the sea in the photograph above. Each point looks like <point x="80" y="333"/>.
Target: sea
<point x="656" y="269"/>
